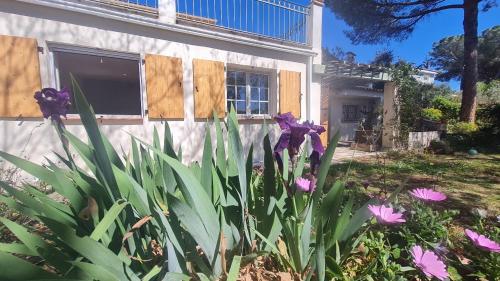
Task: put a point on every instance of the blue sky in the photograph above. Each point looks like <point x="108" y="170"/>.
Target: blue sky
<point x="416" y="48"/>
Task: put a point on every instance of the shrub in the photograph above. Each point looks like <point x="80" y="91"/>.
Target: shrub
<point x="433" y="114"/>
<point x="463" y="128"/>
<point x="449" y="107"/>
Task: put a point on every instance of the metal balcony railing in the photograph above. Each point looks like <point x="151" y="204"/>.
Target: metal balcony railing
<point x="145" y="3"/>
<point x="274" y="19"/>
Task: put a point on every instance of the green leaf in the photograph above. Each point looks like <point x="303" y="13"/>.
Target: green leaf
<point x="172" y="276"/>
<point x="108" y="219"/>
<point x="195" y="226"/>
<point x="269" y="170"/>
<point x="305" y="236"/>
<point x="38" y="245"/>
<point x="206" y="164"/>
<point x="90" y="249"/>
<point x="87" y="117"/>
<point x="237" y="153"/>
<point x="221" y="152"/>
<point x="17" y="248"/>
<point x="62" y="185"/>
<point x="235" y="269"/>
<point x="326" y="161"/>
<point x="152" y="273"/>
<point x="320" y="254"/>
<point x="97" y="272"/>
<point x="14" y="268"/>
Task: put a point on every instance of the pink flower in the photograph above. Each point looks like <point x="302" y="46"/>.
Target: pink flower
<point x="386" y="215"/>
<point x="429" y="263"/>
<point x="427" y="194"/>
<point x="482" y="242"/>
<point x="304" y="185"/>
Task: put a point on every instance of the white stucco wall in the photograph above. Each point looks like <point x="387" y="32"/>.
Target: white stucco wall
<point x="34" y="139"/>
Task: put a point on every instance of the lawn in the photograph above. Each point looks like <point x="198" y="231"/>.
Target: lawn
<point x="468" y="181"/>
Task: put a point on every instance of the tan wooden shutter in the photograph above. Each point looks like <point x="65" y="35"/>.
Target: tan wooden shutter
<point x="19" y="77"/>
<point x="209" y="88"/>
<point x="164" y="87"/>
<point x="290" y="92"/>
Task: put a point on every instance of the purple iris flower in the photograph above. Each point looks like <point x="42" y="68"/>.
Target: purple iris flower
<point x="293" y="135"/>
<point x="53" y="103"/>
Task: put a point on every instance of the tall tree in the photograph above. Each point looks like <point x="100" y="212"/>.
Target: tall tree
<point x="373" y="21"/>
<point x="447" y="55"/>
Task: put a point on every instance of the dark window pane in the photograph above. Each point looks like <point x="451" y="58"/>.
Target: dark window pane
<point x="240" y="78"/>
<point x="254" y="80"/>
<point x="258" y="80"/>
<point x="264" y="108"/>
<point x="230" y="93"/>
<point x="254" y="108"/>
<point x="264" y="95"/>
<point x="263" y="81"/>
<point x="231" y="78"/>
<point x="241" y="93"/>
<point x="241" y="107"/>
<point x="111" y="85"/>
<point x="254" y="94"/>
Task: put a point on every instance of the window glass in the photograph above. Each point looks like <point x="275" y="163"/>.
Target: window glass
<point x="248" y="92"/>
<point x="349" y="113"/>
<point x="111" y="85"/>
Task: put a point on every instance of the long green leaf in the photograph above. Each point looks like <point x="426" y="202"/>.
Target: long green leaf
<point x="87" y="117"/>
<point x="206" y="164"/>
<point x="16" y="269"/>
<point x="235" y="269"/>
<point x="108" y="219"/>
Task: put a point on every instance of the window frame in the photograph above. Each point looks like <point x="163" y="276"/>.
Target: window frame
<point x="248" y="88"/>
<point x="73" y="49"/>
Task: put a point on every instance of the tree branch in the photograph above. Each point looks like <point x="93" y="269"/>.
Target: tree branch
<point x="420" y="2"/>
<point x="426" y="12"/>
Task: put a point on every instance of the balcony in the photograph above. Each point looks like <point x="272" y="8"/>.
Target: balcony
<point x="146" y="7"/>
<point x="276" y="20"/>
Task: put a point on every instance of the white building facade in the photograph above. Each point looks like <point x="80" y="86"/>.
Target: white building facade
<point x="144" y="63"/>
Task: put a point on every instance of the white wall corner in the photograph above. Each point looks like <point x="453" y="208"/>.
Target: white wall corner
<point x="167" y="11"/>
<point x="316" y="28"/>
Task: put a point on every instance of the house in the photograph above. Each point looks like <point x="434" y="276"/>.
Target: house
<point x="143" y="62"/>
<point x="355" y="97"/>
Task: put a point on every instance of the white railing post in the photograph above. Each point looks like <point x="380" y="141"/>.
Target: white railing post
<point x="167" y="11"/>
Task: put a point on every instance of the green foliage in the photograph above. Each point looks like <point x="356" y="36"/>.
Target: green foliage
<point x="377" y="259"/>
<point x="433" y="114"/>
<point x="448" y="106"/>
<point x="147" y="216"/>
<point x="488" y="93"/>
<point x="447" y="55"/>
<point x="463" y="128"/>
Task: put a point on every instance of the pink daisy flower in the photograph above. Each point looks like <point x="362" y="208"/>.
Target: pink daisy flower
<point x="482" y="241"/>
<point x="429" y="263"/>
<point x="386" y="215"/>
<point x="427" y="194"/>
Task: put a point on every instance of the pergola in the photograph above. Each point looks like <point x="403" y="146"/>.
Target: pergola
<point x="341" y="74"/>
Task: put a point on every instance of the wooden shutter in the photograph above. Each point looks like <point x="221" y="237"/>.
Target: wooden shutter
<point x="290" y="92"/>
<point x="209" y="88"/>
<point x="164" y="87"/>
<point x="19" y="77"/>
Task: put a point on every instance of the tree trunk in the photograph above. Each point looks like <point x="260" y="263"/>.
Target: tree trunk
<point x="469" y="77"/>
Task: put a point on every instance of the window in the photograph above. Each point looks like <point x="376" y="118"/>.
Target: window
<point x="349" y="113"/>
<point x="111" y="84"/>
<point x="248" y="92"/>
